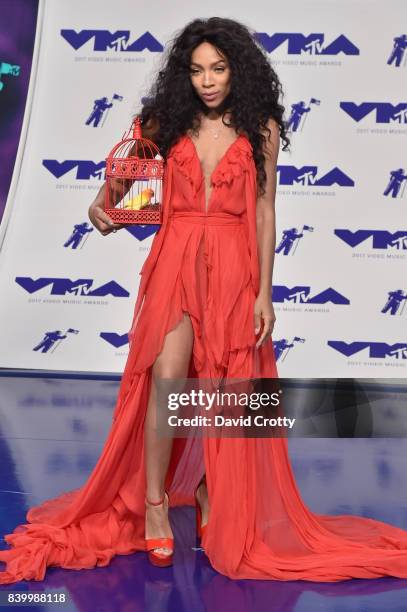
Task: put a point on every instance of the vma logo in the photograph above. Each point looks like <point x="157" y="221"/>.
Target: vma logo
<point x="120" y="41"/>
<point x="312" y="44"/>
<point x="376" y="350"/>
<point x="116" y="340"/>
<point x="308" y="175"/>
<point x="381" y="239"/>
<point x="64" y="286"/>
<point x="384" y="112"/>
<point x="84" y="169"/>
<point x="302" y="295"/>
<point x="141" y="232"/>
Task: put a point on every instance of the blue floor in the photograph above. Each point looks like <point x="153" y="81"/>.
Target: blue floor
<point x="51" y="434"/>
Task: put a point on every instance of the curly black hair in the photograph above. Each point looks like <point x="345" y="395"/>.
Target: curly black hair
<point x="253" y="99"/>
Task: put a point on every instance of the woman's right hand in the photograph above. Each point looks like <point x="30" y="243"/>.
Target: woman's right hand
<point x="101" y="220"/>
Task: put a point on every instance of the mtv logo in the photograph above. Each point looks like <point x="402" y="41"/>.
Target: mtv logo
<point x="64" y="286"/>
<point x="85" y="169"/>
<point x="381" y="239"/>
<point x="301" y="294"/>
<point x="116" y="340"/>
<point x="384" y="112"/>
<point x="104" y="40"/>
<point x="308" y="175"/>
<point x="313" y="44"/>
<point x="376" y="350"/>
<point x="141" y="232"/>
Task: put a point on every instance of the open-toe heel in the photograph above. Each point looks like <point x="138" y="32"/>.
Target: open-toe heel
<point x="155" y="557"/>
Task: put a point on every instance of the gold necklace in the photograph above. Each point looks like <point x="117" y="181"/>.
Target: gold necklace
<point x="215" y="132"/>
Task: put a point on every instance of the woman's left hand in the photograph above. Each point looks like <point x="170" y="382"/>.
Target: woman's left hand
<point x="263" y="310"/>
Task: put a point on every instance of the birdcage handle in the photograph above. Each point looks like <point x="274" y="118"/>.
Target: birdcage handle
<point x="135" y="128"/>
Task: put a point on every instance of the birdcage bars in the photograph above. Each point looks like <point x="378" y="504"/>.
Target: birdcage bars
<point x="134" y="177"/>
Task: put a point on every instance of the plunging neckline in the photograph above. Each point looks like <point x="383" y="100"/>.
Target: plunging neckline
<point x="222" y="158"/>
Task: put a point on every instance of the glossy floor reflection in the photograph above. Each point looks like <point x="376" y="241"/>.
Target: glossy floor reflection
<point x="51" y="433"/>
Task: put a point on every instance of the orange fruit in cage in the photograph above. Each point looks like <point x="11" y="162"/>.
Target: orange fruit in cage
<point x="134" y="179"/>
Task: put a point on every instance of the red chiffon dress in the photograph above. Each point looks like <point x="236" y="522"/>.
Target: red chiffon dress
<point x="203" y="261"/>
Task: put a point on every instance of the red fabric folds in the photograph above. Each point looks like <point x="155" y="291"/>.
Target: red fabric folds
<point x="204" y="263"/>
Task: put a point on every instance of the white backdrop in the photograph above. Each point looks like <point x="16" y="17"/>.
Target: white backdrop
<point x="330" y="287"/>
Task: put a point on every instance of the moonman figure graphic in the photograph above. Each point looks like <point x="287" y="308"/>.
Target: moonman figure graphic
<point x="280" y="346"/>
<point x="394" y="301"/>
<point x="99" y="107"/>
<point x="288" y="239"/>
<point x="79" y="231"/>
<point x="400" y="45"/>
<point x="49" y="340"/>
<point x="297" y="111"/>
<point x="396" y="178"/>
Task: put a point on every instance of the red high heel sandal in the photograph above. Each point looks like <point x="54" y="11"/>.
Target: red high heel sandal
<point x="157" y="558"/>
<point x="200" y="529"/>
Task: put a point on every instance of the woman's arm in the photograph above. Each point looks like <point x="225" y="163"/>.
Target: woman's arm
<point x="266" y="235"/>
<point x="96" y="213"/>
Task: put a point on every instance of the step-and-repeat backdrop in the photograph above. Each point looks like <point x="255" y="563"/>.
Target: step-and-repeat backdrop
<point x="340" y="284"/>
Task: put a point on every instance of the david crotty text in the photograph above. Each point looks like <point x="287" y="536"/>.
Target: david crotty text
<point x="221" y="421"/>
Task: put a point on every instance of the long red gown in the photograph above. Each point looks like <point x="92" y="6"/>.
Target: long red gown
<point x="204" y="263"/>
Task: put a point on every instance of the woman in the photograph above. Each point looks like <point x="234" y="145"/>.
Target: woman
<point x="204" y="311"/>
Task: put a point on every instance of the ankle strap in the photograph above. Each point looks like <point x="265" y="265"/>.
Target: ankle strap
<point x="151" y="503"/>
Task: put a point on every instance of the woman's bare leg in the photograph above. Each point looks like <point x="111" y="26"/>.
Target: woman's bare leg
<point x="171" y="363"/>
<point x="203" y="500"/>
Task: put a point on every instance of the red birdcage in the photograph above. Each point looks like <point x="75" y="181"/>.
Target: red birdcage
<point x="134" y="179"/>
